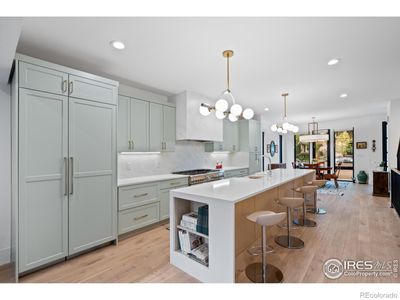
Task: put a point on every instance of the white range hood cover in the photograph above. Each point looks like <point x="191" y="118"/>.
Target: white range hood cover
<point x="190" y="124"/>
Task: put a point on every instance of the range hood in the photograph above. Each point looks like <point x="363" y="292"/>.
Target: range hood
<point x="190" y="124"/>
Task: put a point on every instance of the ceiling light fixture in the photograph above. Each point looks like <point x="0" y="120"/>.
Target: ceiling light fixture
<point x="333" y="61"/>
<point x="221" y="107"/>
<point x="313" y="134"/>
<point x="285" y="127"/>
<point x="344" y="95"/>
<point x="117" y="45"/>
<point x="266" y="109"/>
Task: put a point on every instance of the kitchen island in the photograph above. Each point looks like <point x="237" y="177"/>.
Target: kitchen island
<point x="229" y="232"/>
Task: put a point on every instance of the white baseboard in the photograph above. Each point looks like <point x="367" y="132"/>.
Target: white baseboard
<point x="4" y="256"/>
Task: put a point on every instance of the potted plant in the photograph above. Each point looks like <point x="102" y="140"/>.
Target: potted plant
<point x="362" y="177"/>
<point x="382" y="165"/>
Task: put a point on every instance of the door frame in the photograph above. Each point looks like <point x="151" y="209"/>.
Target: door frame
<point x="334" y="154"/>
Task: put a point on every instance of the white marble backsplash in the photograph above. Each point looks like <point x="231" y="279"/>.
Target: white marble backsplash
<point x="187" y="155"/>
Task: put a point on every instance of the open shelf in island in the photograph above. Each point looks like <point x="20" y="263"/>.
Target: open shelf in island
<point x="192" y="231"/>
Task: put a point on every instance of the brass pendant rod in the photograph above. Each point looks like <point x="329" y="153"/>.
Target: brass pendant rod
<point x="227" y="73"/>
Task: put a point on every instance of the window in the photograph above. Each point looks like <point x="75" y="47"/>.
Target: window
<point x="301" y="151"/>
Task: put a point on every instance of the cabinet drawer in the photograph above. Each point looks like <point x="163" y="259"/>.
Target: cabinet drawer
<point x="42" y="79"/>
<point x="84" y="88"/>
<point x="138" y="217"/>
<point x="169" y="184"/>
<point x="132" y="196"/>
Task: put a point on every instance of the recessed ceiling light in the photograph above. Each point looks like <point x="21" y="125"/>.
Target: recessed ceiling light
<point x="344" y="95"/>
<point x="333" y="61"/>
<point x="266" y="109"/>
<point x="117" y="45"/>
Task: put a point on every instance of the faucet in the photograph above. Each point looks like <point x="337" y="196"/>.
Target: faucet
<point x="269" y="165"/>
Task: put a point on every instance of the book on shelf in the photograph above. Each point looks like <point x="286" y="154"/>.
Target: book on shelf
<point x="201" y="252"/>
<point x="190" y="217"/>
<point x="202" y="220"/>
<point x="189" y="241"/>
<point x="188" y="225"/>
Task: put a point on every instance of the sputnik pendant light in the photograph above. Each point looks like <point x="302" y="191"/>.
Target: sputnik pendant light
<point x="285" y="127"/>
<point x="221" y="107"/>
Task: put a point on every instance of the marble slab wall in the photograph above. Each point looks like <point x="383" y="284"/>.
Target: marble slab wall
<point x="187" y="155"/>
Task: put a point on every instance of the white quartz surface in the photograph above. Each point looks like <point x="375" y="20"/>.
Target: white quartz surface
<point x="237" y="189"/>
<point x="231" y="168"/>
<point x="146" y="179"/>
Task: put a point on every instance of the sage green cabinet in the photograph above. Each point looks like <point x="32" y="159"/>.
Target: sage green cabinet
<point x="230" y="139"/>
<point x="64" y="161"/>
<point x="133" y="124"/>
<point x="250" y="135"/>
<point x="92" y="191"/>
<point x="145" y="126"/>
<point x="43" y="198"/>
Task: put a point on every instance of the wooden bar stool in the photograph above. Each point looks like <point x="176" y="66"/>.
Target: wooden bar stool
<point x="307" y="189"/>
<point x="289" y="241"/>
<point x="264" y="272"/>
<point x="315" y="210"/>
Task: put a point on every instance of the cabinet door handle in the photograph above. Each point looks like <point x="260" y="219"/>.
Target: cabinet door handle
<point x="64" y="86"/>
<point x="141" y="217"/>
<point x="71" y="87"/>
<point x="65" y="176"/>
<point x="71" y="177"/>
<point x="141" y="195"/>
<point x="129" y="145"/>
<point x="132" y="145"/>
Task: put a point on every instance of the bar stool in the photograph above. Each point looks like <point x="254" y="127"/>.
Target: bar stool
<point x="307" y="189"/>
<point x="264" y="272"/>
<point x="315" y="210"/>
<point x="289" y="241"/>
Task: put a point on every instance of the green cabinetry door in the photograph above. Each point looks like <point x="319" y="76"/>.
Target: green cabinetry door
<point x="169" y="125"/>
<point x="139" y="125"/>
<point x="156" y="127"/>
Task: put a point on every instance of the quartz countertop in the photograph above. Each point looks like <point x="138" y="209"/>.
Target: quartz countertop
<point x="147" y="179"/>
<point x="231" y="168"/>
<point x="238" y="189"/>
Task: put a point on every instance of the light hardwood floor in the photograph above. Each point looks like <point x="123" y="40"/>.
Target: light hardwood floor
<point x="357" y="226"/>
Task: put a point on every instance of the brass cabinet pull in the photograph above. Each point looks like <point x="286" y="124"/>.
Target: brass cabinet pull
<point x="141" y="195"/>
<point x="129" y="145"/>
<point x="71" y="179"/>
<point x="65" y="176"/>
<point x="71" y="87"/>
<point x="141" y="217"/>
<point x="64" y="86"/>
<point x="132" y="145"/>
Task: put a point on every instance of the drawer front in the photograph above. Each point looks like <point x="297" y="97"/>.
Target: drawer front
<point x="133" y="196"/>
<point x="84" y="88"/>
<point x="170" y="184"/>
<point x="42" y="79"/>
<point x="138" y="217"/>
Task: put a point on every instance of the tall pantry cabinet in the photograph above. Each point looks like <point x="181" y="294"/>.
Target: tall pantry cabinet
<point x="64" y="161"/>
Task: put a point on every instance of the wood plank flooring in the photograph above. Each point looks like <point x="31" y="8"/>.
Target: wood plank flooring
<point x="357" y="226"/>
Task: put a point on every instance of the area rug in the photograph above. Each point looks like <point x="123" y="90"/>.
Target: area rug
<point x="331" y="189"/>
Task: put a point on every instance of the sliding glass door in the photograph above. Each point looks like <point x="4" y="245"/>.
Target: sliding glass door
<point x="301" y="151"/>
<point x="344" y="154"/>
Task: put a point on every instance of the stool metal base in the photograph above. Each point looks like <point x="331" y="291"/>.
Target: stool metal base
<point x="290" y="242"/>
<point x="309" y="223"/>
<point x="257" y="250"/>
<point x="316" y="211"/>
<point x="273" y="274"/>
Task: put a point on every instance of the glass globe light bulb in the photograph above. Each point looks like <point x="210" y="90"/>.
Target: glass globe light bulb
<point x="291" y="127"/>
<point x="248" y="113"/>
<point x="279" y="129"/>
<point x="220" y="115"/>
<point x="284" y="130"/>
<point x="204" y="111"/>
<point x="285" y="126"/>
<point x="274" y="128"/>
<point x="232" y="118"/>
<point x="221" y="105"/>
<point x="236" y="109"/>
<point x="295" y="129"/>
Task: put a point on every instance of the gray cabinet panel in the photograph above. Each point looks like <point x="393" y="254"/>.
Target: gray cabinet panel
<point x="92" y="200"/>
<point x="124" y="123"/>
<point x="42" y="79"/>
<point x="135" y="218"/>
<point x="139" y="114"/>
<point x="156" y="127"/>
<point x="84" y="88"/>
<point x="169" y="124"/>
<point x="43" y="210"/>
<point x="164" y="204"/>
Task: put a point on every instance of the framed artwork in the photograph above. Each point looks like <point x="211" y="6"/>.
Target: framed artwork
<point x="361" y="145"/>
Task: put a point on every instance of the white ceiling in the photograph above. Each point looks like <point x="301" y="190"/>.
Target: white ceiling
<point x="272" y="55"/>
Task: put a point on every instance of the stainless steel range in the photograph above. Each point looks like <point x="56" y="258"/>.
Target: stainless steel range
<point x="202" y="175"/>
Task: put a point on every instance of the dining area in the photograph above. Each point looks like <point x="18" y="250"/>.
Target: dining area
<point x="322" y="171"/>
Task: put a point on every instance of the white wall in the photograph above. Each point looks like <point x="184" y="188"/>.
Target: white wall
<point x="394" y="131"/>
<point x="187" y="155"/>
<point x="268" y="137"/>
<point x="366" y="128"/>
<point x="5" y="174"/>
